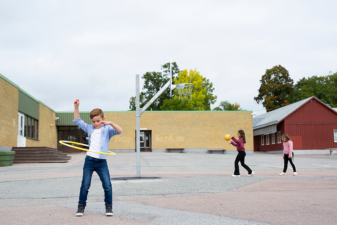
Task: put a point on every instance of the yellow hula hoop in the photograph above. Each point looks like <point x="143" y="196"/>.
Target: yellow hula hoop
<point x="83" y="149"/>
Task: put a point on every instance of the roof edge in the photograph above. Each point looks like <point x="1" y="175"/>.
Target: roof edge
<point x="23" y="91"/>
<point x="313" y="97"/>
<point x="275" y="122"/>
<point x="9" y="81"/>
<point x="47" y="106"/>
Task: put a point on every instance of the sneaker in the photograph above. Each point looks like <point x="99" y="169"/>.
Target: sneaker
<point x="282" y="174"/>
<point x="295" y="174"/>
<point x="249" y="175"/>
<point x="235" y="175"/>
<point x="108" y="210"/>
<point x="80" y="210"/>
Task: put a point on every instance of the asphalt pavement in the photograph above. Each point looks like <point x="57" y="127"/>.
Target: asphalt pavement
<point x="175" y="188"/>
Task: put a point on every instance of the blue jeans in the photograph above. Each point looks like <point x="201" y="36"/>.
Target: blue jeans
<point x="101" y="167"/>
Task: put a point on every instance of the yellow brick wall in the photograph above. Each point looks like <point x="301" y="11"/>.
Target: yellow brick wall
<point x="9" y="107"/>
<point x="190" y="130"/>
<point x="47" y="133"/>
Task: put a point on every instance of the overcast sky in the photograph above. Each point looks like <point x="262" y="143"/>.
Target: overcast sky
<point x="62" y="50"/>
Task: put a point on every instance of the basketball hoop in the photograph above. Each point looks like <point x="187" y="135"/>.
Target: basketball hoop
<point x="184" y="90"/>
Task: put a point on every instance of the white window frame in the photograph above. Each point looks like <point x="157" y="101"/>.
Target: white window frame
<point x="279" y="139"/>
<point x="262" y="140"/>
<point x="267" y="139"/>
<point x="273" y="139"/>
<point x="335" y="135"/>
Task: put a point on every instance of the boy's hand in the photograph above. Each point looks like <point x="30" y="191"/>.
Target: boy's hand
<point x="106" y="122"/>
<point x="289" y="157"/>
<point x="231" y="136"/>
<point x="115" y="126"/>
<point x="76" y="103"/>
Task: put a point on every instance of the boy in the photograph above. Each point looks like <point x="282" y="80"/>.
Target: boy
<point x="100" y="134"/>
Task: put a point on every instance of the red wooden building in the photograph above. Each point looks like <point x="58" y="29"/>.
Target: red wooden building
<point x="311" y="124"/>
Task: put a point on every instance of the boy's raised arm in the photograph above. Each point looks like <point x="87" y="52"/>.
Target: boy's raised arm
<point x="76" y="109"/>
<point x="77" y="118"/>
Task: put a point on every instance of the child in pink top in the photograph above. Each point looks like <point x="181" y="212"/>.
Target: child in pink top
<point x="287" y="154"/>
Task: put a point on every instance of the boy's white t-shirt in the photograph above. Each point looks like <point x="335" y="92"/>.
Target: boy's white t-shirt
<point x="95" y="143"/>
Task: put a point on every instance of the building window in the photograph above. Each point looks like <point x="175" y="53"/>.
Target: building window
<point x="262" y="140"/>
<point x="335" y="135"/>
<point x="267" y="139"/>
<point x="31" y="128"/>
<point x="279" y="141"/>
<point x="272" y="139"/>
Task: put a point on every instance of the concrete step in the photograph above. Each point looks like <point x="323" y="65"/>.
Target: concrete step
<point x="39" y="154"/>
<point x="25" y="148"/>
<point x="40" y="161"/>
<point x="42" y="157"/>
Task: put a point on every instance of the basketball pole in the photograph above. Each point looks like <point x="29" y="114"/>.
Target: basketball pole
<point x="138" y="125"/>
<point x="140" y="111"/>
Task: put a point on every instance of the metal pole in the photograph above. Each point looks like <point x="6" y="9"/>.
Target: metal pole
<point x="138" y="125"/>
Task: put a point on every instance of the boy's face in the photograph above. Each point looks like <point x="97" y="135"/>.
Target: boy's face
<point x="97" y="121"/>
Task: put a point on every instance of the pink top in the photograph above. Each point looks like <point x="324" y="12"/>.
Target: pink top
<point x="240" y="146"/>
<point x="287" y="148"/>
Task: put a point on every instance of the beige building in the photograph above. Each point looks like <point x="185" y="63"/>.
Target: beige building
<point x="25" y="121"/>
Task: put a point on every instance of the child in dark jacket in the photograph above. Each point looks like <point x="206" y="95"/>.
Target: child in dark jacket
<point x="241" y="154"/>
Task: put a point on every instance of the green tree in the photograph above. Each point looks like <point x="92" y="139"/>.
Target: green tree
<point x="153" y="81"/>
<point x="227" y="106"/>
<point x="322" y="87"/>
<point x="202" y="93"/>
<point x="276" y="88"/>
<point x="132" y="102"/>
<point x="210" y="98"/>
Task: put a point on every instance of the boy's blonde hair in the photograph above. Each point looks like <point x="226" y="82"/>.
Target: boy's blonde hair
<point x="96" y="112"/>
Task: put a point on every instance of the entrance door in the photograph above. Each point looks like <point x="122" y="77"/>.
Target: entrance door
<point x="142" y="141"/>
<point x="148" y="141"/>
<point x="145" y="141"/>
<point x="21" y="126"/>
<point x="71" y="133"/>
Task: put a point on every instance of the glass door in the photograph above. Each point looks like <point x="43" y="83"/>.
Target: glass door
<point x="142" y="142"/>
<point x="145" y="141"/>
<point x="148" y="141"/>
<point x="71" y="133"/>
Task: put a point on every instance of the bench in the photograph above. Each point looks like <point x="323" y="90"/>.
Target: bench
<point x="217" y="150"/>
<point x="181" y="149"/>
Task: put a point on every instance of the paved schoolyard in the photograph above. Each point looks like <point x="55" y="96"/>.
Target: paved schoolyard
<point x="188" y="189"/>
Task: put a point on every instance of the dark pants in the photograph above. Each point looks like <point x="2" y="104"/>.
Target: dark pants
<point x="101" y="167"/>
<point x="241" y="158"/>
<point x="286" y="159"/>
